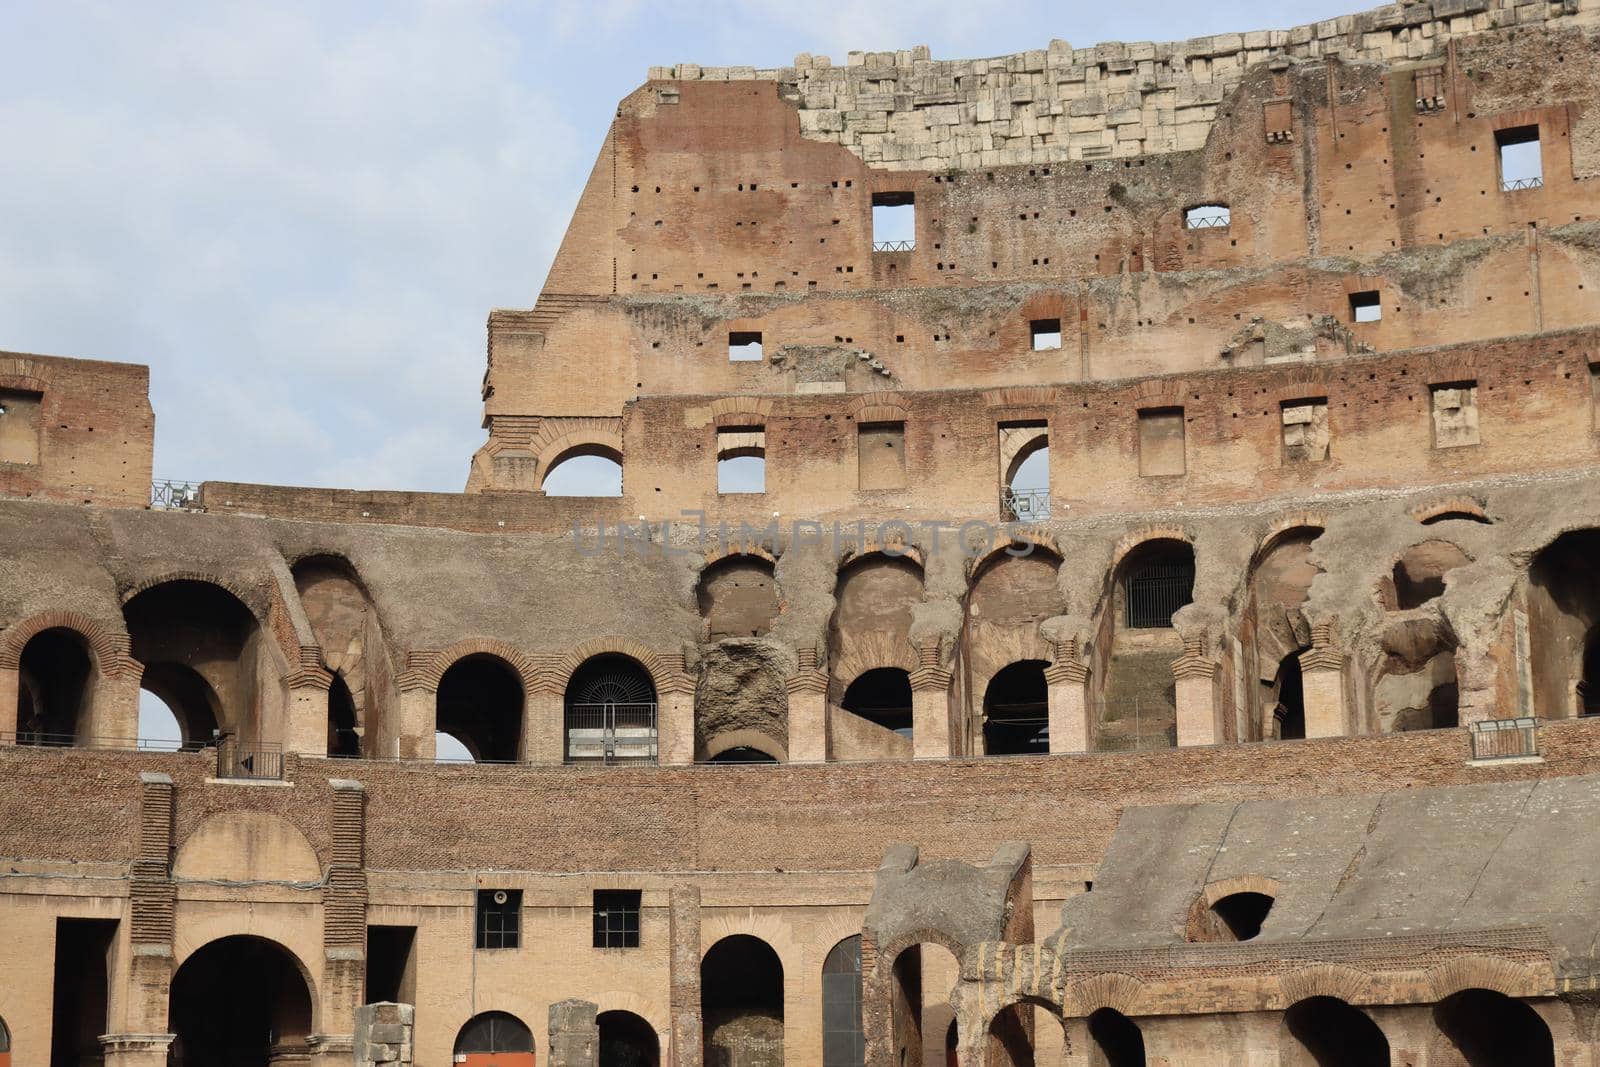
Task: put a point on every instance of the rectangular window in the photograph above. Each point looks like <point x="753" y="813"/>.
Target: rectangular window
<point x="19" y="426"/>
<point x="499" y="918"/>
<point x="744" y="346"/>
<point x="1520" y="164"/>
<point x="1161" y="442"/>
<point x="894" y="222"/>
<point x="742" y="460"/>
<point x="391" y="964"/>
<point x="1207" y="217"/>
<point x="616" y="918"/>
<point x="881" y="448"/>
<point x="1455" y="414"/>
<point x="1366" y="306"/>
<point x="1046" y="334"/>
<point x="1305" y="431"/>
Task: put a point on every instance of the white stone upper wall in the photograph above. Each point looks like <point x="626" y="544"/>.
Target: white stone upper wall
<point x="906" y="111"/>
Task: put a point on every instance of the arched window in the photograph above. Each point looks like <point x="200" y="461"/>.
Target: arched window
<point x="742" y="754"/>
<point x="922" y="1015"/>
<point x="741" y="1003"/>
<point x="1563" y="606"/>
<point x="1486" y="1028"/>
<point x="494" y="1039"/>
<point x="54" y="688"/>
<point x="611" y="712"/>
<point x="626" y="1040"/>
<point x="1114" y="1040"/>
<point x="1328" y="1032"/>
<point x="1024" y="471"/>
<point x="159" y="729"/>
<point x="587" y="470"/>
<point x="1158" y="579"/>
<point x="843" y="1039"/>
<point x="1016" y="711"/>
<point x="882" y="696"/>
<point x="1234" y="917"/>
<point x="200" y="646"/>
<point x="479" y="703"/>
<point x="742" y="460"/>
<point x="242" y="1001"/>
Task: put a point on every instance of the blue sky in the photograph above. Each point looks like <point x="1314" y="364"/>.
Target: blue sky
<point x="300" y="214"/>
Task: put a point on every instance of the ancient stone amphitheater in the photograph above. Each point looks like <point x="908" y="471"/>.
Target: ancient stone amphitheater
<point x="1089" y="556"/>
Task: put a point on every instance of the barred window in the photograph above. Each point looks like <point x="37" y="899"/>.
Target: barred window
<point x="616" y="918"/>
<point x="499" y="918"/>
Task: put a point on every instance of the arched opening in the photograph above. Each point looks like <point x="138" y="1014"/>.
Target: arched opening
<point x="1419" y="574"/>
<point x="1025" y="455"/>
<point x="1417" y="687"/>
<point x="741" y="1003"/>
<point x="343" y="738"/>
<point x="1289" y="701"/>
<point x="479" y="703"/>
<point x="882" y="696"/>
<point x="242" y="1001"/>
<point x="1139" y="700"/>
<point x="159" y="729"/>
<point x="1114" y="1040"/>
<point x="1328" y="1032"/>
<point x="1011" y="1037"/>
<point x="742" y="754"/>
<point x="921" y="1015"/>
<point x="5" y="1045"/>
<point x="206" y="658"/>
<point x="54" y="688"/>
<point x="587" y="470"/>
<point x="738" y="597"/>
<point x="1016" y="711"/>
<point x="1563" y="600"/>
<point x="843" y="1038"/>
<point x="1485" y="1028"/>
<point x="494" y="1039"/>
<point x="1234" y="917"/>
<point x="952" y="1044"/>
<point x="742" y="460"/>
<point x="447" y="748"/>
<point x="626" y="1040"/>
<point x="610" y="711"/>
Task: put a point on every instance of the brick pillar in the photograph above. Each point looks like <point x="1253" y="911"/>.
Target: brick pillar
<point x="574" y="1034"/>
<point x="1322" y="683"/>
<point x="930" y="705"/>
<point x="1194" y="675"/>
<point x="307" y="729"/>
<point x="10" y="693"/>
<point x="544" y="734"/>
<point x="683" y="981"/>
<point x="1071" y="725"/>
<point x="418" y="695"/>
<point x="808" y="710"/>
<point x="114" y="706"/>
<point x="344" y="924"/>
<point x="140" y="1037"/>
<point x="675" y="713"/>
<point x="385" y="1035"/>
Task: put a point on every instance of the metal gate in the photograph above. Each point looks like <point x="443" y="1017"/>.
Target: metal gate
<point x="1157" y="590"/>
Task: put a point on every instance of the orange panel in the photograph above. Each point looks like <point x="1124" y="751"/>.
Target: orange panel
<point x="485" y="1059"/>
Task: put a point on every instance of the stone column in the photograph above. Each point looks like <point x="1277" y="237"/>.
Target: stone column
<point x="344" y="924"/>
<point x="574" y="1034"/>
<point x="808" y="710"/>
<point x="1322" y="685"/>
<point x="307" y="729"/>
<point x="140" y="1037"/>
<point x="1194" y="675"/>
<point x="930" y="705"/>
<point x="544" y="715"/>
<point x="675" y="713"/>
<point x="1071" y="724"/>
<point x="114" y="706"/>
<point x="418" y="695"/>
<point x="683" y="979"/>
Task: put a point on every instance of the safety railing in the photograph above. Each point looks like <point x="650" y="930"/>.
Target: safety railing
<point x="893" y="246"/>
<point x="1521" y="183"/>
<point x="1025" y="505"/>
<point x="171" y="493"/>
<point x="1134" y="726"/>
<point x="1505" y="739"/>
<point x="611" y="733"/>
<point x="1207" y="222"/>
<point x="239" y="759"/>
<point x="39" y="739"/>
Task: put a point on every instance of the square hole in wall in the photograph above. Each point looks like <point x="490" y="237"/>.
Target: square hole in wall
<point x="894" y="222"/>
<point x="744" y="346"/>
<point x="1455" y="414"/>
<point x="1366" y="306"/>
<point x="1046" y="334"/>
<point x="881" y="455"/>
<point x="20" y="422"/>
<point x="1161" y="445"/>
<point x="1520" y="164"/>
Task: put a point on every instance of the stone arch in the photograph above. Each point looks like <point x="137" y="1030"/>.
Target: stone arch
<point x="1108" y="989"/>
<point x="730" y="411"/>
<point x="609" y="703"/>
<point x="247" y="846"/>
<point x="635" y="1003"/>
<point x="107" y="648"/>
<point x="1324" y="980"/>
<point x="1274" y="630"/>
<point x="879" y="407"/>
<point x="1484" y="972"/>
<point x="346" y="627"/>
<point x="1468" y="508"/>
<point x="627" y="1039"/>
<point x="1561" y="593"/>
<point x="1418" y="574"/>
<point x="589" y="441"/>
<point x="843" y="1030"/>
<point x="495" y="1037"/>
<point x="909" y="981"/>
<point x="428" y="676"/>
<point x="1480" y="1027"/>
<point x="742" y="1001"/>
<point x="236" y="997"/>
<point x="1136" y="644"/>
<point x="732" y="739"/>
<point x="1231" y="909"/>
<point x="649" y="659"/>
<point x="1328" y="1031"/>
<point x="737" y="595"/>
<point x="481" y="699"/>
<point x="875" y="596"/>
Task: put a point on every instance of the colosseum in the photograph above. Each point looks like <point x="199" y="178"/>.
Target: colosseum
<point x="1098" y="564"/>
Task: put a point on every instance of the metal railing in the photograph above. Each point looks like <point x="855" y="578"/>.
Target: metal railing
<point x="236" y="759"/>
<point x="39" y="739"/>
<point x="1025" y="505"/>
<point x="893" y="246"/>
<point x="169" y="493"/>
<point x="1156" y="592"/>
<point x="1505" y="739"/>
<point x="611" y="733"/>
<point x="1135" y="726"/>
<point x="1521" y="183"/>
<point x="1207" y="222"/>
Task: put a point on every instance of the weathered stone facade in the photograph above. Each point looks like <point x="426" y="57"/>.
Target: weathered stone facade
<point x="1146" y="611"/>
